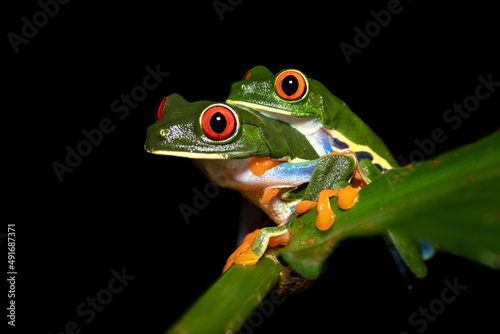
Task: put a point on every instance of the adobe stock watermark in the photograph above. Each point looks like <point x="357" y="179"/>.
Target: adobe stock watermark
<point x="201" y="197"/>
<point x="371" y="29"/>
<point x="223" y="6"/>
<point x="88" y="309"/>
<point x="419" y="320"/>
<point x="95" y="136"/>
<point x="30" y="26"/>
<point x="199" y="202"/>
<point x="453" y="117"/>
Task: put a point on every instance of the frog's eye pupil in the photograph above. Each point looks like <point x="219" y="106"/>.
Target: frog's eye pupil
<point x="218" y="122"/>
<point x="291" y="85"/>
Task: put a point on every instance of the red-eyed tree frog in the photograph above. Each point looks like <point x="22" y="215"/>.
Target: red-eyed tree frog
<point x="268" y="161"/>
<point x="330" y="126"/>
<point x="308" y="106"/>
<point x="284" y="158"/>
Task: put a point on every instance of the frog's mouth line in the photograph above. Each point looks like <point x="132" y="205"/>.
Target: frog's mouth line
<point x="191" y="155"/>
<point x="207" y="156"/>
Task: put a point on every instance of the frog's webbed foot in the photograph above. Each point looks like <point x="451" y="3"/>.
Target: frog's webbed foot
<point x="348" y="197"/>
<point x="244" y="251"/>
<point x="330" y="178"/>
<point x="254" y="245"/>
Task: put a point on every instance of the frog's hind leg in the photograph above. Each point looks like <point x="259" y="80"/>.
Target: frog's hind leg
<point x="330" y="178"/>
<point x="255" y="244"/>
<point x="273" y="236"/>
<point x="333" y="172"/>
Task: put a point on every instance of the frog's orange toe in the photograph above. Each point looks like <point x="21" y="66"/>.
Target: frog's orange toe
<point x="304" y="206"/>
<point x="348" y="197"/>
<point x="269" y="194"/>
<point x="229" y="263"/>
<point x="279" y="240"/>
<point x="247" y="258"/>
<point x="325" y="219"/>
<point x="243" y="254"/>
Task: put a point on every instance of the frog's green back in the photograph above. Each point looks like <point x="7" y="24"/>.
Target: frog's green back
<point x="348" y="128"/>
<point x="260" y="90"/>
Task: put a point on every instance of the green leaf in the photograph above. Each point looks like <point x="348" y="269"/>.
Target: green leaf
<point x="409" y="250"/>
<point x="231" y="299"/>
<point x="452" y="201"/>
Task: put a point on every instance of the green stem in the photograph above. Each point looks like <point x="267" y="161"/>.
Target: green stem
<point x="451" y="201"/>
<point x="230" y="300"/>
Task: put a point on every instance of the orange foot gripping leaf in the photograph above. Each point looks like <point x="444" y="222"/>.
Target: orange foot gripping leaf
<point x="243" y="254"/>
<point x="348" y="197"/>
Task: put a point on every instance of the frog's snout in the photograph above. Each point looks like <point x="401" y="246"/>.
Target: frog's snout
<point x="153" y="136"/>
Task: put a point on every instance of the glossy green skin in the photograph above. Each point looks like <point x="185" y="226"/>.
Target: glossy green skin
<point x="259" y="93"/>
<point x="180" y="134"/>
<point x="257" y="136"/>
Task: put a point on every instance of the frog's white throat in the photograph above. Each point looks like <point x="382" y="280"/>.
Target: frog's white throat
<point x="236" y="174"/>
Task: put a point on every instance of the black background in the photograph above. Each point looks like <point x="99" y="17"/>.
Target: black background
<point x="119" y="207"/>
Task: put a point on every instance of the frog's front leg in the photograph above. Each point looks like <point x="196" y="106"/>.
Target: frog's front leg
<point x="287" y="176"/>
<point x="331" y="178"/>
<point x="254" y="245"/>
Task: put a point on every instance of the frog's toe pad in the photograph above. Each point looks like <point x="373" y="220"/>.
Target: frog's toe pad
<point x="242" y="255"/>
<point x="348" y="197"/>
<point x="304" y="206"/>
<point x="247" y="258"/>
<point x="325" y="219"/>
<point x="279" y="240"/>
<point x="326" y="216"/>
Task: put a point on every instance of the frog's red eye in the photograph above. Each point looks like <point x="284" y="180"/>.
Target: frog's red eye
<point x="159" y="111"/>
<point x="218" y="122"/>
<point x="247" y="75"/>
<point x="291" y="85"/>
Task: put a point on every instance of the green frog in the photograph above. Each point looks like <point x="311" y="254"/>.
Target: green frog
<point x="286" y="144"/>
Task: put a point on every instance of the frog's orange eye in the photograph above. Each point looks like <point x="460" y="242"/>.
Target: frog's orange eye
<point x="291" y="85"/>
<point x="159" y="111"/>
<point x="218" y="122"/>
